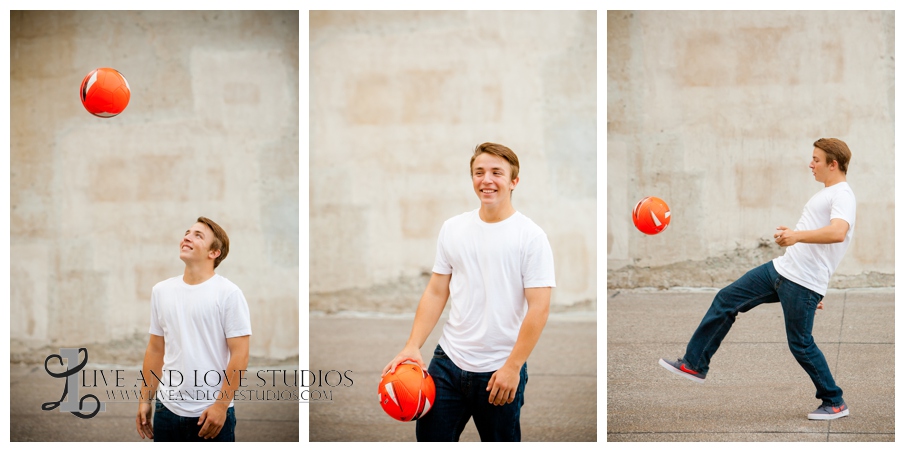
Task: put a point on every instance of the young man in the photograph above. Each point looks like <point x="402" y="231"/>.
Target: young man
<point x="200" y="326"/>
<point x="496" y="267"/>
<point x="797" y="280"/>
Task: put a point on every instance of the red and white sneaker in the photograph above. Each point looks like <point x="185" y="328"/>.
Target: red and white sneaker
<point x="678" y="367"/>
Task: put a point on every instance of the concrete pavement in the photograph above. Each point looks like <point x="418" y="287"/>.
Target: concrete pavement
<point x="560" y="398"/>
<point x="755" y="390"/>
<point x="31" y="386"/>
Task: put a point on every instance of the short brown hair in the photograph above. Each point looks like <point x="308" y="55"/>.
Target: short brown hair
<point x="836" y="151"/>
<point x="498" y="150"/>
<point x="221" y="240"/>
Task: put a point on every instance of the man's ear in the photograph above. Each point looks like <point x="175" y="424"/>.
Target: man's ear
<point x="513" y="183"/>
<point x="213" y="254"/>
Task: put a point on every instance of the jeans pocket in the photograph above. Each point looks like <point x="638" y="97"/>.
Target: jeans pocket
<point x="439" y="353"/>
<point x="230" y="425"/>
<point x="811" y="299"/>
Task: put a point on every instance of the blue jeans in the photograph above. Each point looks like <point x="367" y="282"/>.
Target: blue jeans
<point x="462" y="395"/>
<point x="169" y="426"/>
<point x="764" y="285"/>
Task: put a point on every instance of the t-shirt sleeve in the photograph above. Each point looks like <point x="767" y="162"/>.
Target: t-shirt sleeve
<point x="156" y="328"/>
<point x="235" y="315"/>
<point x="441" y="262"/>
<point x="844" y="207"/>
<point x="537" y="264"/>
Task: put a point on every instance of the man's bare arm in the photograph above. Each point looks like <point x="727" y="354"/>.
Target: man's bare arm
<point x="504" y="382"/>
<point x="832" y="233"/>
<point x="213" y="418"/>
<point x="431" y="306"/>
<point x="151" y="370"/>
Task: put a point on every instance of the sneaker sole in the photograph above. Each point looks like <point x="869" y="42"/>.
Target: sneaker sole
<point x="672" y="369"/>
<point x="828" y="417"/>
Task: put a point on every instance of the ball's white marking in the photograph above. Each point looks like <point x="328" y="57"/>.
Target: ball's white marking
<point x="391" y="392"/>
<point x="91" y="81"/>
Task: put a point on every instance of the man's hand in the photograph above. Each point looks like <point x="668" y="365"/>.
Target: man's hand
<point x="212" y="419"/>
<point x="409" y="353"/>
<point x="785" y="236"/>
<point x="820" y="305"/>
<point x="143" y="421"/>
<point x="503" y="385"/>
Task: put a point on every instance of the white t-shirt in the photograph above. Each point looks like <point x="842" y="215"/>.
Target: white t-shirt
<point x="810" y="264"/>
<point x="491" y="265"/>
<point x="195" y="321"/>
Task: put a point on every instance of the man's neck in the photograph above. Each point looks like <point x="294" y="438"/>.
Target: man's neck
<point x="195" y="275"/>
<point x="834" y="180"/>
<point x="496" y="214"/>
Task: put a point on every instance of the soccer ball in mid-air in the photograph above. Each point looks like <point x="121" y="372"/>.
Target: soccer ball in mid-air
<point x="105" y="92"/>
<point x="651" y="215"/>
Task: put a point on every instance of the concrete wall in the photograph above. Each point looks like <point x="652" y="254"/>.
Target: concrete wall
<point x="716" y="113"/>
<point x="398" y="102"/>
<point x="98" y="206"/>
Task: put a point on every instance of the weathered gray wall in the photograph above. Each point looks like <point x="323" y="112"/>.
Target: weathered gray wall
<point x="716" y="113"/>
<point x="398" y="102"/>
<point x="98" y="206"/>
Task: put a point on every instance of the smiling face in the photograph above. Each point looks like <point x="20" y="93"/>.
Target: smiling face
<point x="819" y="167"/>
<point x="195" y="246"/>
<point x="492" y="180"/>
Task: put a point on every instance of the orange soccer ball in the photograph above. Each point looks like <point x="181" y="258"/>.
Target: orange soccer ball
<point x="651" y="215"/>
<point x="105" y="92"/>
<point x="407" y="394"/>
